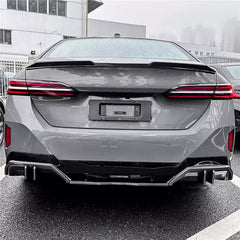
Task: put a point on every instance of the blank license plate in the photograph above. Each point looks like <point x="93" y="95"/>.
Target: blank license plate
<point x="139" y="111"/>
<point x="118" y="110"/>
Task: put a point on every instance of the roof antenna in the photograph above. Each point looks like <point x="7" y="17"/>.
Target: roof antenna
<point x="117" y="35"/>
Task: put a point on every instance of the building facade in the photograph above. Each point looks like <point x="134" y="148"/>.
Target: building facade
<point x="198" y="35"/>
<point x="28" y="27"/>
<point x="231" y="35"/>
<point x="199" y="50"/>
<point x="31" y="26"/>
<point x="210" y="54"/>
<point x="100" y="28"/>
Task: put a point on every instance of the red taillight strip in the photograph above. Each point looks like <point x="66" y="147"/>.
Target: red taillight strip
<point x="17" y="83"/>
<point x="221" y="91"/>
<point x="40" y="84"/>
<point x="52" y="93"/>
<point x="7" y="135"/>
<point x="230" y="141"/>
<point x="17" y="87"/>
<point x="20" y="87"/>
<point x="197" y="88"/>
<point x="235" y="95"/>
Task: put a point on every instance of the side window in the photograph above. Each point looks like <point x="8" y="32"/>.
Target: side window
<point x="22" y="5"/>
<point x="1" y="35"/>
<point x="32" y="5"/>
<point x="62" y="8"/>
<point x="11" y="4"/>
<point x="58" y="7"/>
<point x="68" y="37"/>
<point x="53" y="7"/>
<point x="8" y="37"/>
<point x="5" y="36"/>
<point x="42" y="6"/>
<point x="17" y="4"/>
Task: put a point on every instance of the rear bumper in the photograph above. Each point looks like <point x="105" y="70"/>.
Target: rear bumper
<point x="205" y="173"/>
<point x="31" y="134"/>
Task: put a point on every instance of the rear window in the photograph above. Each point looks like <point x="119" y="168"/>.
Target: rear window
<point x="118" y="48"/>
<point x="234" y="71"/>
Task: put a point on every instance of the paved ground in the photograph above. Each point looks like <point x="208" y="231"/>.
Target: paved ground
<point x="29" y="211"/>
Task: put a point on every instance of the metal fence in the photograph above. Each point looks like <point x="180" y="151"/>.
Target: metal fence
<point x="9" y="67"/>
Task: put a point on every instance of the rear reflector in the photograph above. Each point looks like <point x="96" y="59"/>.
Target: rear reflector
<point x="20" y="87"/>
<point x="202" y="92"/>
<point x="7" y="136"/>
<point x="230" y="141"/>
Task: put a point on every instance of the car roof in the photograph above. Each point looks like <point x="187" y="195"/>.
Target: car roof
<point x="133" y="38"/>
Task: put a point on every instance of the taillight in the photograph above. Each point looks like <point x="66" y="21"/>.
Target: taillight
<point x="7" y="135"/>
<point x="202" y="92"/>
<point x="230" y="141"/>
<point x="20" y="87"/>
<point x="17" y="87"/>
<point x="223" y="91"/>
<point x="236" y="94"/>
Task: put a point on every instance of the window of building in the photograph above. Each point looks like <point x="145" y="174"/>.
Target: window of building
<point x="39" y="6"/>
<point x="32" y="5"/>
<point x="58" y="7"/>
<point x="42" y="6"/>
<point x="12" y="4"/>
<point x="5" y="36"/>
<point x="62" y="8"/>
<point x="17" y="4"/>
<point x="53" y="7"/>
<point x="68" y="37"/>
<point x="208" y="53"/>
<point x="212" y="54"/>
<point x="201" y="53"/>
<point x="196" y="52"/>
<point x="22" y="5"/>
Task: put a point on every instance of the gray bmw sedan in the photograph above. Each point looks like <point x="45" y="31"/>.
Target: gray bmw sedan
<point x="119" y="111"/>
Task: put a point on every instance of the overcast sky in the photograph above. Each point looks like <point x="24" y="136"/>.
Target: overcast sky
<point x="169" y="16"/>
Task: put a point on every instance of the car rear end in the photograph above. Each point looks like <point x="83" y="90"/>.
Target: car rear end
<point x="231" y="72"/>
<point x="110" y="121"/>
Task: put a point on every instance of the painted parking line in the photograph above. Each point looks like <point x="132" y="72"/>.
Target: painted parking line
<point x="2" y="175"/>
<point x="221" y="230"/>
<point x="236" y="181"/>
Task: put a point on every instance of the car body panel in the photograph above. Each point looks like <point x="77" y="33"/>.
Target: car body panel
<point x="32" y="134"/>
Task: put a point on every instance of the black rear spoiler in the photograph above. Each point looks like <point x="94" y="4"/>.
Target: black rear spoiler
<point x="167" y="65"/>
<point x="183" y="66"/>
<point x="59" y="64"/>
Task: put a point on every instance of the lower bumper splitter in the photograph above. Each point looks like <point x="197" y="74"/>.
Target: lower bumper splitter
<point x="204" y="173"/>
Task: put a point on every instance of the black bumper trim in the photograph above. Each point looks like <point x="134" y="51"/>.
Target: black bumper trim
<point x="199" y="169"/>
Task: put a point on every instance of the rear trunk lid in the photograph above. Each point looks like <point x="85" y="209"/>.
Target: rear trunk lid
<point x="121" y="96"/>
